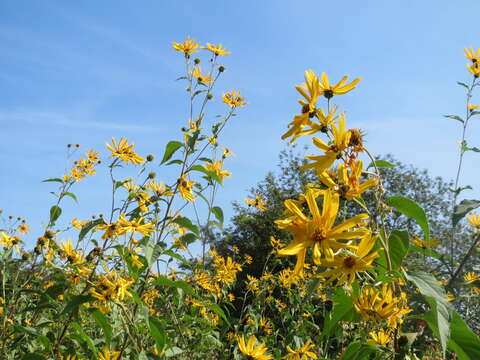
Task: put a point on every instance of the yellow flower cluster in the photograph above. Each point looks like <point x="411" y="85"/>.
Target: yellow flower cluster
<point x="381" y="304"/>
<point x="111" y="287"/>
<point x="83" y="167"/>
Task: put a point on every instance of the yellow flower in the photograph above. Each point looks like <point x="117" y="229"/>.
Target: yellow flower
<point x="78" y="224"/>
<point x="474" y="69"/>
<point x="474" y="220"/>
<point x="258" y="352"/>
<point x="376" y="304"/>
<point x="68" y="357"/>
<point x="233" y="99"/>
<point x="124" y="151"/>
<point x="185" y="188"/>
<point x="310" y="90"/>
<point x="302" y="353"/>
<point x="213" y="140"/>
<point x="226" y="152"/>
<point x="188" y="47"/>
<point x="135" y="225"/>
<point x="110" y="287"/>
<point x="72" y="256"/>
<point x="426" y="244"/>
<point x="380" y="337"/>
<point x="265" y="325"/>
<point x="473" y="107"/>
<point x="471" y="277"/>
<point x="197" y="74"/>
<point x="252" y="283"/>
<point x="350" y="262"/>
<point x="472" y="54"/>
<point x="6" y="240"/>
<point x="226" y="269"/>
<point x="318" y="231"/>
<point x="111" y="230"/>
<point x="217" y="50"/>
<point x="216" y="167"/>
<point x="341" y="141"/>
<point x="258" y="202"/>
<point x="93" y="155"/>
<point x="347" y="182"/>
<point x="159" y="188"/>
<point x="341" y="88"/>
<point x="450" y="296"/>
<point x="107" y="354"/>
<point x="23" y="228"/>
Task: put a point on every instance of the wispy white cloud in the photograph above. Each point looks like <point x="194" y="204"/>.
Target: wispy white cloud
<point x="60" y="119"/>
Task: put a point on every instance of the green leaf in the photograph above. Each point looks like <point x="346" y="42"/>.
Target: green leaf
<point x="217" y="310"/>
<point x="31" y="331"/>
<point x="359" y="351"/>
<point x="174" y="162"/>
<point x="170" y="149"/>
<point x="55" y="212"/>
<point x="53" y="180"/>
<point x="179" y="284"/>
<point x="462" y="84"/>
<point x="103" y="322"/>
<point x="84" y="337"/>
<point x="398" y="245"/>
<point x="158" y="332"/>
<point x="380" y="163"/>
<point x="463" y="209"/>
<point x="411" y="209"/>
<point x="455" y="117"/>
<point x="33" y="356"/>
<point x="76" y="301"/>
<point x="187" y="223"/>
<point x="342" y="308"/>
<point x="439" y="315"/>
<point x="176" y="256"/>
<point x="65" y="193"/>
<point x="218" y="212"/>
<point x="207" y="172"/>
<point x="474" y="113"/>
<point x="464" y="342"/>
<point x="475" y="149"/>
<point x="89" y="226"/>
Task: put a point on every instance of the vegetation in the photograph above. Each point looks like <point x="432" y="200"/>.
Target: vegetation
<point x="341" y="256"/>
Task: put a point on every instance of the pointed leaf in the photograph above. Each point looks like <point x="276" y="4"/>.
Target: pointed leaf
<point x="170" y="149"/>
<point x="411" y="209"/>
<point x="439" y="315"/>
<point x="380" y="163"/>
<point x="187" y="223"/>
<point x="218" y="212"/>
<point x="158" y="332"/>
<point x="55" y="212"/>
<point x="463" y="209"/>
<point x="455" y="117"/>
<point x="398" y="245"/>
<point x="103" y="322"/>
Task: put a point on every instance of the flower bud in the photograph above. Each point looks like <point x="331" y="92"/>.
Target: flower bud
<point x="150" y="157"/>
<point x="221" y="68"/>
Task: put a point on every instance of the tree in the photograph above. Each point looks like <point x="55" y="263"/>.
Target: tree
<point x="250" y="229"/>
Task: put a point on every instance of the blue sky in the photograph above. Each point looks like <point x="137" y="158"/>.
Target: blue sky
<point x="84" y="71"/>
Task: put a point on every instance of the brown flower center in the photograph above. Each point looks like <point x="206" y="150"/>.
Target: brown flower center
<point x="328" y="94"/>
<point x="349" y="262"/>
<point x="319" y="235"/>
